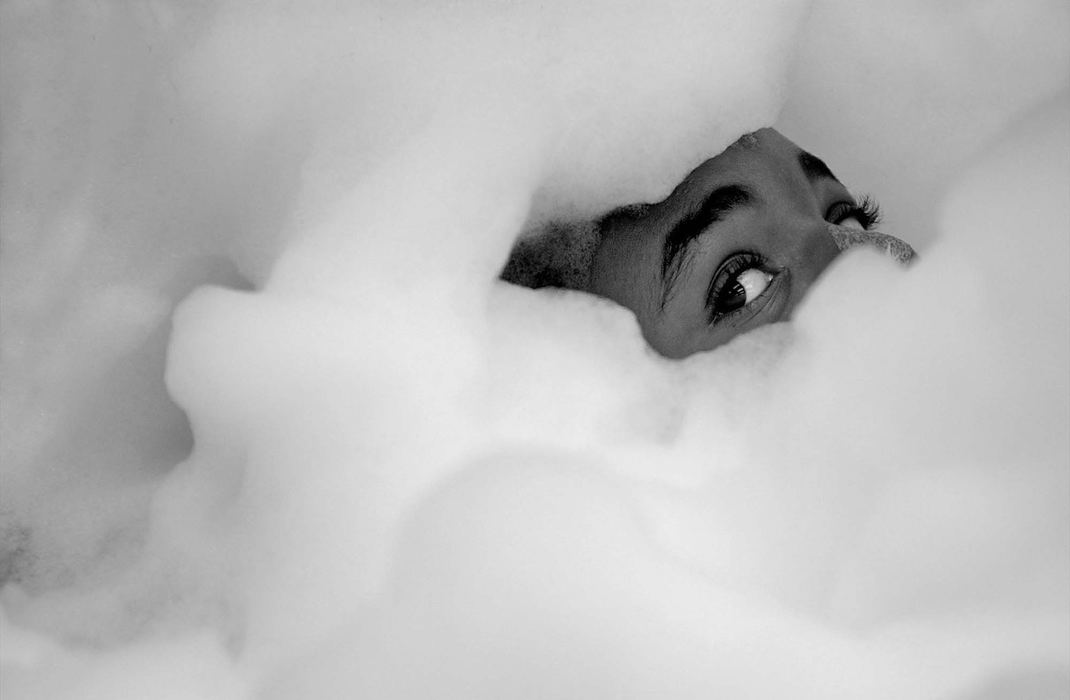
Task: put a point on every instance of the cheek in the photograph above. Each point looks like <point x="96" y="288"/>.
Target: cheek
<point x="676" y="335"/>
<point x="670" y="345"/>
<point x="676" y="344"/>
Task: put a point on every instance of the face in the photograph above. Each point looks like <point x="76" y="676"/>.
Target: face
<point x="735" y="246"/>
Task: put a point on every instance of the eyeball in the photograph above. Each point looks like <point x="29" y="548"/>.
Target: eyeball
<point x="852" y="223"/>
<point x="740" y="280"/>
<point x="754" y="282"/>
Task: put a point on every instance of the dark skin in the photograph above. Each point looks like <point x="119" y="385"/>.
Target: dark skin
<point x="735" y="246"/>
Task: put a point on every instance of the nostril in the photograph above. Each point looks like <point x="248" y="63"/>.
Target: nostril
<point x="850" y="237"/>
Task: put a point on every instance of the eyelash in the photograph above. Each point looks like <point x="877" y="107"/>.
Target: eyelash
<point x="725" y="276"/>
<point x="866" y="210"/>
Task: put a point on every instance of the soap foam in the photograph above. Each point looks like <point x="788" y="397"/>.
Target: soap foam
<point x="393" y="474"/>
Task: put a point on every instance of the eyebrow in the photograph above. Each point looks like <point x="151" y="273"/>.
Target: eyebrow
<point x="814" y="168"/>
<point x="717" y="205"/>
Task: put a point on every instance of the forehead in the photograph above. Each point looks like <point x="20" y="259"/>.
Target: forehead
<point x="648" y="223"/>
<point x="736" y="160"/>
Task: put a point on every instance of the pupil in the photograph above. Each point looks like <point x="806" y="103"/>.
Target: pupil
<point x="734" y="297"/>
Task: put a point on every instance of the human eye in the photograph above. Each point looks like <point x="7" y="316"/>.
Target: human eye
<point x="862" y="215"/>
<point x="741" y="280"/>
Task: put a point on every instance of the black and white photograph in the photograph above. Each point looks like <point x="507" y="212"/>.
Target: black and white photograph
<point x="534" y="349"/>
